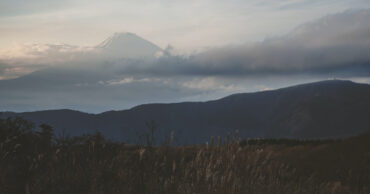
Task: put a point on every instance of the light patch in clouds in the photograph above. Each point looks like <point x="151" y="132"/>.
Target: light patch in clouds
<point x="125" y="81"/>
<point x="42" y="53"/>
<point x="211" y="84"/>
<point x="263" y="88"/>
<point x="365" y="80"/>
<point x="26" y="58"/>
<point x="13" y="72"/>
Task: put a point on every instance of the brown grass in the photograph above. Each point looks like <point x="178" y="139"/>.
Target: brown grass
<point x="93" y="165"/>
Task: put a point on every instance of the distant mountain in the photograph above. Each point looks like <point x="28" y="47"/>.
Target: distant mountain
<point x="128" y="45"/>
<point x="327" y="109"/>
<point x="92" y="81"/>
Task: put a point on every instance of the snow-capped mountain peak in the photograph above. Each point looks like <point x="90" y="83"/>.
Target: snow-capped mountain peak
<point x="128" y="45"/>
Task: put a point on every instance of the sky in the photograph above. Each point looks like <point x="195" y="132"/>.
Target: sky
<point x="186" y="25"/>
<point x="74" y="54"/>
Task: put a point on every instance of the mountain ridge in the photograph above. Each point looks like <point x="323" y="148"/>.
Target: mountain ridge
<point x="327" y="109"/>
<point x="229" y="96"/>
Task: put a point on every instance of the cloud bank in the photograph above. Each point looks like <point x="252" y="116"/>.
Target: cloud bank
<point x="334" y="44"/>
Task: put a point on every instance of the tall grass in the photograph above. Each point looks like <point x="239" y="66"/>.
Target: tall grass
<point x="38" y="163"/>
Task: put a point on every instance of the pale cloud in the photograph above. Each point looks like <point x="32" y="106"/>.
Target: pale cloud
<point x="126" y="80"/>
<point x="365" y="80"/>
<point x="211" y="84"/>
<point x="263" y="88"/>
<point x="23" y="59"/>
<point x="42" y="53"/>
<point x="119" y="82"/>
<point x="14" y="72"/>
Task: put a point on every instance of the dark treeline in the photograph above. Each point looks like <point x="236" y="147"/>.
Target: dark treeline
<point x="34" y="160"/>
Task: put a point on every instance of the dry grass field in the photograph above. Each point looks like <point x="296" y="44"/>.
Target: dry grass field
<point x="37" y="162"/>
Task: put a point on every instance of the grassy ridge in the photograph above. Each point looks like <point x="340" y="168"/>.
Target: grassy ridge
<point x="37" y="162"/>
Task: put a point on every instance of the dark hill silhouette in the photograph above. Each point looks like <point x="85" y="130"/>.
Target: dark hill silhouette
<point x="326" y="109"/>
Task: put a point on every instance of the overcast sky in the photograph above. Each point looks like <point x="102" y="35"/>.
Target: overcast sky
<point x="51" y="56"/>
<point x="187" y="25"/>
